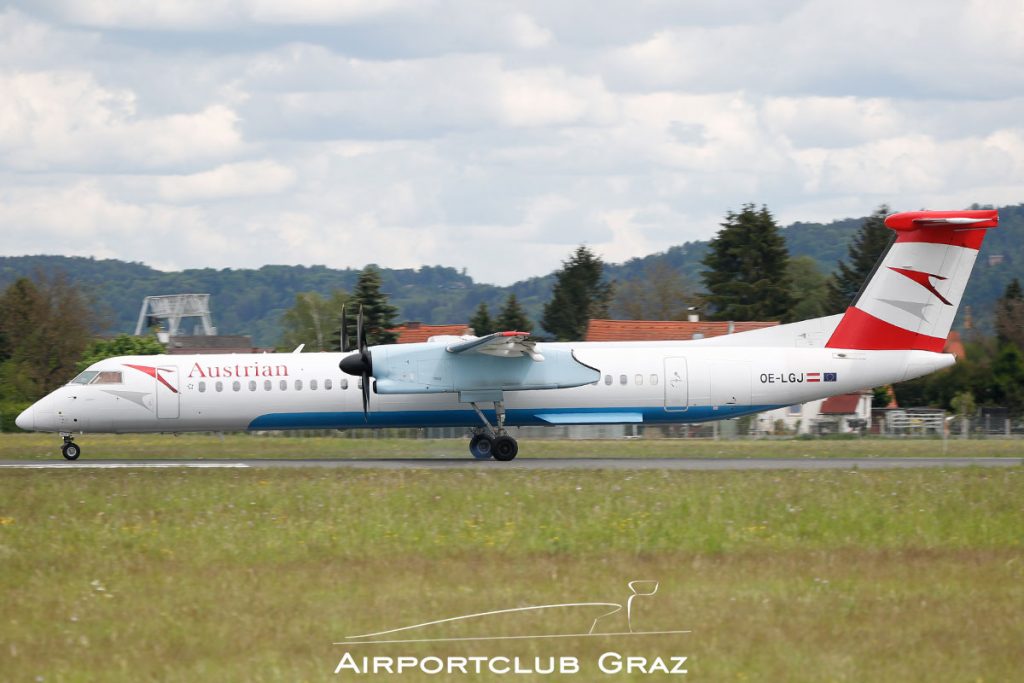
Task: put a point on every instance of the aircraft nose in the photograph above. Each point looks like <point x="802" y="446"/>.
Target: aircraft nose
<point x="26" y="420"/>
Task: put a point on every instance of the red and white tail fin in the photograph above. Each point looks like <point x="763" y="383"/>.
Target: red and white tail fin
<point x="912" y="297"/>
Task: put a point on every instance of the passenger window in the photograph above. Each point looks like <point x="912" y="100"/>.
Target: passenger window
<point x="327" y="384"/>
<point x="608" y="380"/>
<point x="219" y="386"/>
<point x="284" y="385"/>
<point x="267" y="385"/>
<point x="623" y="380"/>
<point x="312" y="384"/>
<point x="252" y="385"/>
<point x="654" y="380"/>
<point x="344" y="384"/>
<point x="236" y="385"/>
<point x="107" y="377"/>
<point x="202" y="387"/>
<point x="298" y="384"/>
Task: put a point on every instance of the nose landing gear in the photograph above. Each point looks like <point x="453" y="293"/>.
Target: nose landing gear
<point x="70" y="450"/>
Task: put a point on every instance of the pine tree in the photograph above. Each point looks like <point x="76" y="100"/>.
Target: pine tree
<point x="512" y="318"/>
<point x="481" y="321"/>
<point x="747" y="276"/>
<point x="378" y="314"/>
<point x="865" y="250"/>
<point x="579" y="294"/>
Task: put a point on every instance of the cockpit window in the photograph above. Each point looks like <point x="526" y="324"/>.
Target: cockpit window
<point x="85" y="377"/>
<point x="107" y="377"/>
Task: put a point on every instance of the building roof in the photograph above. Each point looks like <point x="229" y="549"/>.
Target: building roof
<point x="413" y="331"/>
<point x="666" y="330"/>
<point x="843" y="404"/>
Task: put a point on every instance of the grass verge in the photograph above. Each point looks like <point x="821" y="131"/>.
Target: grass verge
<point x="239" y="575"/>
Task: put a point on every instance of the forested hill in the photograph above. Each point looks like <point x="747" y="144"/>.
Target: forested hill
<point x="247" y="301"/>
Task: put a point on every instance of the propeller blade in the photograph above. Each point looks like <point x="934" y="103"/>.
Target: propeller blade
<point x="360" y="332"/>
<point x="366" y="397"/>
<point x="344" y="329"/>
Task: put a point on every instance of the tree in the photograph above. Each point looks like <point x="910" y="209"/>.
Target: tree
<point x="1008" y="378"/>
<point x="313" y="321"/>
<point x="579" y="294"/>
<point x="378" y="314"/>
<point x="865" y="250"/>
<point x="747" y="261"/>
<point x="964" y="406"/>
<point x="45" y="324"/>
<point x="660" y="293"/>
<point x="512" y="318"/>
<point x="808" y="287"/>
<point x="481" y="321"/>
<point x="1010" y="316"/>
<point x="121" y="345"/>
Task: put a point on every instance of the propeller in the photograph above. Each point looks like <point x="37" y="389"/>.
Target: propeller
<point x="360" y="364"/>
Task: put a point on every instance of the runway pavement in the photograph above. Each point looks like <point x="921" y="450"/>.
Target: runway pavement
<point x="691" y="464"/>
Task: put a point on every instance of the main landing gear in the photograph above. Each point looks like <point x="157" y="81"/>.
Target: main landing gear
<point x="70" y="450"/>
<point x="489" y="442"/>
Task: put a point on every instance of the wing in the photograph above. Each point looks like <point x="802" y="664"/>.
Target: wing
<point x="501" y="344"/>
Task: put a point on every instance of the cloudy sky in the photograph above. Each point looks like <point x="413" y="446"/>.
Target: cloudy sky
<point x="491" y="136"/>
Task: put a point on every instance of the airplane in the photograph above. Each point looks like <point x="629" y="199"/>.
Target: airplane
<point x="894" y="330"/>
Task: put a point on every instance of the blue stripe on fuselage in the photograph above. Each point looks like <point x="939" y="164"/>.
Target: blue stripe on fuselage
<point x="468" y="418"/>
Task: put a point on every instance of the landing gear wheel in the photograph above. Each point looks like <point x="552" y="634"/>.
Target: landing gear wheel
<point x="481" y="446"/>
<point x="505" y="448"/>
<point x="70" y="450"/>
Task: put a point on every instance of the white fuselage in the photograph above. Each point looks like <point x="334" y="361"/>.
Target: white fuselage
<point x="653" y="383"/>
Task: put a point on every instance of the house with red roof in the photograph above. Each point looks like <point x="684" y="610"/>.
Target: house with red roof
<point x="413" y="331"/>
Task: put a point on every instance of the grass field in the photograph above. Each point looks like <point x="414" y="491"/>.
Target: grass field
<point x="160" y="446"/>
<point x="178" y="575"/>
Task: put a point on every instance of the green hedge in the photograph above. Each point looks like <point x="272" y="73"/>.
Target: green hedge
<point x="9" y="411"/>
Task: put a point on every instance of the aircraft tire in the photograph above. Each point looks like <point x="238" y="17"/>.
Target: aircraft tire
<point x="481" y="446"/>
<point x="70" y="451"/>
<point x="505" y="448"/>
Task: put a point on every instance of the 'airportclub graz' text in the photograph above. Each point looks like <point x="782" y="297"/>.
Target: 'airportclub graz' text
<point x="609" y="663"/>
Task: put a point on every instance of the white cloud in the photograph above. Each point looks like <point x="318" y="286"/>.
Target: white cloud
<point x="495" y="135"/>
<point x="208" y="14"/>
<point x="241" y="179"/>
<point x="64" y="119"/>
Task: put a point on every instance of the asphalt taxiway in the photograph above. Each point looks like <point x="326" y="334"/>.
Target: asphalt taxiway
<point x="690" y="464"/>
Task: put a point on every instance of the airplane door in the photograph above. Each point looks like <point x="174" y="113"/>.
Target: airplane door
<point x="167" y="392"/>
<point x="676" y="384"/>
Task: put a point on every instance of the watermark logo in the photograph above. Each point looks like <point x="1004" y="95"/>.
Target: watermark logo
<point x="433" y="632"/>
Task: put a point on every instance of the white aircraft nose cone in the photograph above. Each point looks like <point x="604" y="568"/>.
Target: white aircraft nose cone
<point x="27" y="419"/>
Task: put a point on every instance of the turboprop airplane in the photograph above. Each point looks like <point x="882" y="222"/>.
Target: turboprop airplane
<point x="895" y="330"/>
